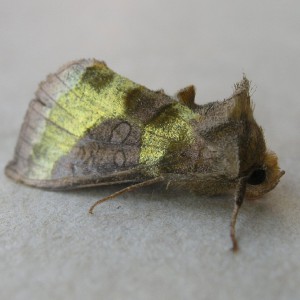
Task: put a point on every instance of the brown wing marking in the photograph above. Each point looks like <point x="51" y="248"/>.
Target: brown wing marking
<point x="109" y="148"/>
<point x="145" y="104"/>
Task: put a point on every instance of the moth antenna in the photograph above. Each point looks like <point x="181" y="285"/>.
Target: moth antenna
<point x="238" y="201"/>
<point x="125" y="190"/>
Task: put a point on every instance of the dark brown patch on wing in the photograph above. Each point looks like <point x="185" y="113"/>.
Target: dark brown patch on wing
<point x="110" y="147"/>
<point x="97" y="77"/>
<point x="120" y="133"/>
<point x="145" y="104"/>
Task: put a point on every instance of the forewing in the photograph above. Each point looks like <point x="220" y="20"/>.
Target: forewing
<point x="84" y="128"/>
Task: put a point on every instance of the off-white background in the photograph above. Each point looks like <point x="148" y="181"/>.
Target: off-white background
<point x="152" y="244"/>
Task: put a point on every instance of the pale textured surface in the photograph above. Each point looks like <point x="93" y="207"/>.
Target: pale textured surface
<point x="151" y="244"/>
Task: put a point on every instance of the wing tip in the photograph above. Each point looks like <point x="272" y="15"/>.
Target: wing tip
<point x="11" y="171"/>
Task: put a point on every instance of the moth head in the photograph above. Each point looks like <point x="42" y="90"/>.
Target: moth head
<point x="264" y="178"/>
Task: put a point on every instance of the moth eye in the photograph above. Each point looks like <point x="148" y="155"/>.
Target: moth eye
<point x="258" y="176"/>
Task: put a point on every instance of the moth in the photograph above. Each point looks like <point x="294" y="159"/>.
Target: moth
<point x="89" y="126"/>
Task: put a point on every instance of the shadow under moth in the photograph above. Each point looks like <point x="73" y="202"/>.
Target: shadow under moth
<point x="89" y="126"/>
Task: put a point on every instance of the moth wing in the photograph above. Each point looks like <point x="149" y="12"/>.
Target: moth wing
<point x="108" y="154"/>
<point x="84" y="128"/>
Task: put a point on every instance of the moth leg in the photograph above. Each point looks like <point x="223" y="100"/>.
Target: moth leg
<point x="186" y="96"/>
<point x="125" y="190"/>
<point x="238" y="201"/>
